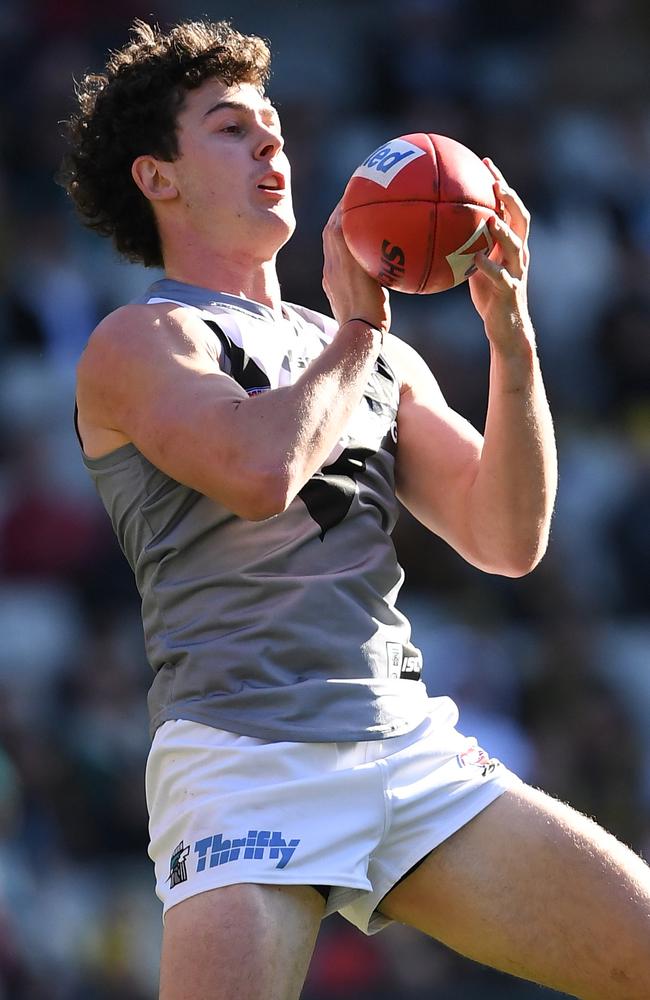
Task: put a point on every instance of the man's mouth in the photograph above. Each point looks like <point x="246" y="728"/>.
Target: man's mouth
<point x="272" y="182"/>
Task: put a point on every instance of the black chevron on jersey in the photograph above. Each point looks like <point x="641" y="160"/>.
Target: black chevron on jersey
<point x="243" y="368"/>
<point x="329" y="493"/>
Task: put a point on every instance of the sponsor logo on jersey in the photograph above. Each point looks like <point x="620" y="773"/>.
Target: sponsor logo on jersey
<point x="412" y="667"/>
<point x="395" y="653"/>
<point x="402" y="665"/>
<point x="385" y="163"/>
<point x="257" y="845"/>
<point x="178" y="865"/>
<point x="393" y="262"/>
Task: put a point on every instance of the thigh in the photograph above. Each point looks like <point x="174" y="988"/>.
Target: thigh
<point x="533" y="888"/>
<point x="240" y="942"/>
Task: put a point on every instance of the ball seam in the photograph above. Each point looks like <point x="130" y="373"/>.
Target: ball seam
<point x="433" y="229"/>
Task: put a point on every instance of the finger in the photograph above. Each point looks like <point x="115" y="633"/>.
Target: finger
<point x="501" y="209"/>
<point x="333" y="231"/>
<point x="519" y="216"/>
<point x="498" y="273"/>
<point x="494" y="170"/>
<point x="333" y="225"/>
<point x="511" y="246"/>
<point x="335" y="216"/>
<point x="521" y="238"/>
<point x="499" y="182"/>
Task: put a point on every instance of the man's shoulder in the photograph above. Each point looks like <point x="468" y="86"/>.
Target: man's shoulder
<point x="141" y="330"/>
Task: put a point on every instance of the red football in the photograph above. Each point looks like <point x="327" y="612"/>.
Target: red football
<point x="415" y="212"/>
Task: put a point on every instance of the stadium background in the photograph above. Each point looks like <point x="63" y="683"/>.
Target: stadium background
<point x="552" y="672"/>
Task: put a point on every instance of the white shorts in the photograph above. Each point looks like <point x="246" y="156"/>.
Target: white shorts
<point x="227" y="809"/>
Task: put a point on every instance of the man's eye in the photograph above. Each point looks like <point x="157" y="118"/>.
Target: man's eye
<point x="231" y="128"/>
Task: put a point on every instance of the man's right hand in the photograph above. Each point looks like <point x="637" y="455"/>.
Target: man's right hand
<point x="352" y="293"/>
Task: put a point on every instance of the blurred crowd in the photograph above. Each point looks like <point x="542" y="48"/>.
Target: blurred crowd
<point x="551" y="672"/>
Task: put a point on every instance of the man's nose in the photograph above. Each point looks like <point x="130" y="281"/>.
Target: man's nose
<point x="269" y="144"/>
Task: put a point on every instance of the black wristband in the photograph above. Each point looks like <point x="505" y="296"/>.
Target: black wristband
<point x="360" y="319"/>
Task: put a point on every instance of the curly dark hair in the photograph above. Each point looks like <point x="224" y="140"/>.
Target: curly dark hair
<point x="131" y="109"/>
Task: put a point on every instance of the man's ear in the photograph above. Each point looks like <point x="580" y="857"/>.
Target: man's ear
<point x="155" y="178"/>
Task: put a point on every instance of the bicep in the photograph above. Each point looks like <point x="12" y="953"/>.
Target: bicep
<point x="164" y="390"/>
<point x="180" y="420"/>
<point x="438" y="453"/>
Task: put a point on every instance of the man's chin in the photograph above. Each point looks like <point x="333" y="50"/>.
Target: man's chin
<point x="281" y="226"/>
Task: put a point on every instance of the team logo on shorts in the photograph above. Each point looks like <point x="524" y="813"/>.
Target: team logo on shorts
<point x="474" y="755"/>
<point x="178" y="865"/>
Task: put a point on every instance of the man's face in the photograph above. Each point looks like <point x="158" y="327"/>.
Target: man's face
<point x="232" y="175"/>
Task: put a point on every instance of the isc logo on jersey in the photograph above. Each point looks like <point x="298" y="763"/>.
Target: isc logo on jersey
<point x="385" y="163"/>
<point x="400" y="665"/>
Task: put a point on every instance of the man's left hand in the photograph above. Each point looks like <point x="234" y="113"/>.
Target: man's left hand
<point x="499" y="286"/>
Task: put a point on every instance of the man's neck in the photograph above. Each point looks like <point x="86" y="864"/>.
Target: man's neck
<point x="257" y="281"/>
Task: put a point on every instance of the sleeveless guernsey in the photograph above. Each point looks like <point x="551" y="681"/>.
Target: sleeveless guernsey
<point x="283" y="629"/>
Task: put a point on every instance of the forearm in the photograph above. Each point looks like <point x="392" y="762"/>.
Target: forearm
<point x="511" y="499"/>
<point x="288" y="433"/>
<point x="294" y="429"/>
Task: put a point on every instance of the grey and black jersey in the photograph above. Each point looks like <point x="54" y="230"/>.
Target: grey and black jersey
<point x="282" y="629"/>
